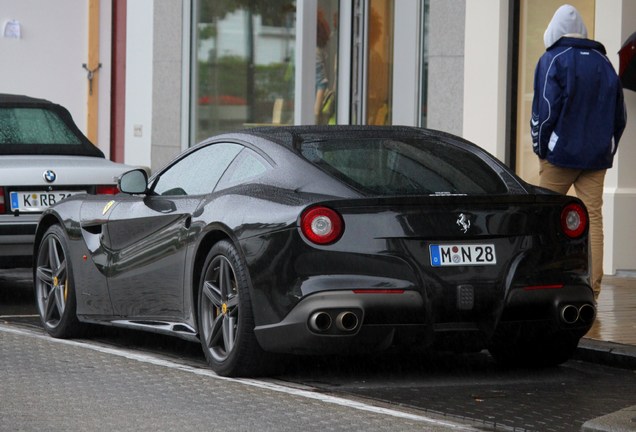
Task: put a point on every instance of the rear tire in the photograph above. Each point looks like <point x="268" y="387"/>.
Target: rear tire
<point x="226" y="320"/>
<point x="55" y="287"/>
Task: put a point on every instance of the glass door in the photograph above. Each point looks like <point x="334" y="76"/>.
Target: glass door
<point x="389" y="62"/>
<point x="379" y="56"/>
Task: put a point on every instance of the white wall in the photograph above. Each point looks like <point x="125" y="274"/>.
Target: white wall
<point x="139" y="73"/>
<point x="485" y="75"/>
<point x="46" y="62"/>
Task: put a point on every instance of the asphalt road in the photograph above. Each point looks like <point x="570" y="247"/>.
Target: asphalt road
<point x="122" y="380"/>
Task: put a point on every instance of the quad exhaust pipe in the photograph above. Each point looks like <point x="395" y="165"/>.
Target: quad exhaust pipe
<point x="320" y="322"/>
<point x="587" y="313"/>
<point x="570" y="314"/>
<point x="344" y="322"/>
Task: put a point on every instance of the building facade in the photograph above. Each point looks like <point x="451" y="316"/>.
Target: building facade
<point x="169" y="73"/>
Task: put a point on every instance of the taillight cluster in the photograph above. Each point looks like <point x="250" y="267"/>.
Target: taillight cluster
<point x="574" y="220"/>
<point x="321" y="225"/>
<point x="106" y="190"/>
<point x="2" y="207"/>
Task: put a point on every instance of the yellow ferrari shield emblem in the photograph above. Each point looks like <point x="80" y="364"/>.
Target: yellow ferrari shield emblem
<point x="107" y="207"/>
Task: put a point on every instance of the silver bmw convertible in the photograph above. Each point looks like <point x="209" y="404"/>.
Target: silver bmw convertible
<point x="44" y="158"/>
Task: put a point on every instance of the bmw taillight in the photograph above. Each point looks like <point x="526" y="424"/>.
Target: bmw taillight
<point x="321" y="225"/>
<point x="574" y="220"/>
<point x="2" y="208"/>
<point x="106" y="190"/>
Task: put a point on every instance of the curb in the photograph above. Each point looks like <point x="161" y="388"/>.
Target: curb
<point x="606" y="353"/>
<point x="615" y="355"/>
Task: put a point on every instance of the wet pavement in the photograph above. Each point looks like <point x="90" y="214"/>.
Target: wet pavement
<point x="611" y="342"/>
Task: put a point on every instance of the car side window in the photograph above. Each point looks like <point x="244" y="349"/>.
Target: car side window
<point x="198" y="172"/>
<point x="246" y="166"/>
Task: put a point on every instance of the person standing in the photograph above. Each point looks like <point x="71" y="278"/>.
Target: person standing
<point x="578" y="117"/>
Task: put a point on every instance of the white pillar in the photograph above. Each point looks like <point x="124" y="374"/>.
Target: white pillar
<point x="485" y="74"/>
<point x="615" y="21"/>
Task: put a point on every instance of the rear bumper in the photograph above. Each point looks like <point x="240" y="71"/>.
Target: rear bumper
<point x="377" y="317"/>
<point x="17" y="234"/>
<point x="548" y="303"/>
<point x="342" y="322"/>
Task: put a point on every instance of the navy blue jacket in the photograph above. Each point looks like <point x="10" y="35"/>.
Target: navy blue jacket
<point x="578" y="111"/>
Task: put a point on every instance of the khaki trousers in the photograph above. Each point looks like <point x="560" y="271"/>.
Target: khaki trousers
<point x="588" y="185"/>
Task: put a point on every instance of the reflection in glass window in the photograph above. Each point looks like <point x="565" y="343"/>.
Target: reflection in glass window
<point x="198" y="172"/>
<point x="326" y="61"/>
<point x="243" y="64"/>
<point x="380" y="62"/>
<point x="424" y="20"/>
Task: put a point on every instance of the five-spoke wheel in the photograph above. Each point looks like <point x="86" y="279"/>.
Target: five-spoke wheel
<point x="220" y="311"/>
<point x="54" y="291"/>
<point x="226" y="323"/>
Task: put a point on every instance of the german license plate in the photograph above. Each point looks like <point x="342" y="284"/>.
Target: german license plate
<point x="462" y="254"/>
<point x="37" y="201"/>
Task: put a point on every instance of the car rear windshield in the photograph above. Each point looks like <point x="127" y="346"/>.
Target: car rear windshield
<point x="33" y="126"/>
<point x="388" y="167"/>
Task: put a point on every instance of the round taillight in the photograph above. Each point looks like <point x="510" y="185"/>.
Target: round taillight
<point x="321" y="225"/>
<point x="573" y="220"/>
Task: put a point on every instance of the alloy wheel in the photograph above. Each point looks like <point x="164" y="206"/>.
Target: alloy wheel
<point x="51" y="282"/>
<point x="220" y="308"/>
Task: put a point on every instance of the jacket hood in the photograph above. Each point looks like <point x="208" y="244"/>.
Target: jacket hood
<point x="566" y="21"/>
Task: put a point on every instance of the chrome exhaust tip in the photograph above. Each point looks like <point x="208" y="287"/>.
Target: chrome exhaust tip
<point x="320" y="321"/>
<point x="587" y="313"/>
<point x="346" y="321"/>
<point x="569" y="314"/>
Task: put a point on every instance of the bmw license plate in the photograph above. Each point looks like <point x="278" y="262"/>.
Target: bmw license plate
<point x="37" y="201"/>
<point x="462" y="254"/>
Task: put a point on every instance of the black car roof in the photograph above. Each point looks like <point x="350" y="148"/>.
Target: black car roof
<point x="86" y="148"/>
<point x="292" y="136"/>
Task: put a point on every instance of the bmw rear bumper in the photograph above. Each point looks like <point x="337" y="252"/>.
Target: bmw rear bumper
<point x="17" y="235"/>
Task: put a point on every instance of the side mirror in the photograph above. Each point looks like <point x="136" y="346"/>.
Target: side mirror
<point x="133" y="182"/>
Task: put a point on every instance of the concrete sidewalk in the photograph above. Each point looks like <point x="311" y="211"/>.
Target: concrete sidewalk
<point x="612" y="341"/>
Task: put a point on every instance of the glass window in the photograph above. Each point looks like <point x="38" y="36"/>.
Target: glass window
<point x="424" y="20"/>
<point x="380" y="62"/>
<point x="326" y="61"/>
<point x="248" y="165"/>
<point x="419" y="167"/>
<point x="28" y="126"/>
<point x="198" y="172"/>
<point x="243" y="64"/>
